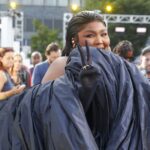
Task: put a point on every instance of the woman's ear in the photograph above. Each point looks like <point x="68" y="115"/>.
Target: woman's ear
<point x="74" y="44"/>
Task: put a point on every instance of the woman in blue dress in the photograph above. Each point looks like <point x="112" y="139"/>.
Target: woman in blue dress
<point x="7" y="87"/>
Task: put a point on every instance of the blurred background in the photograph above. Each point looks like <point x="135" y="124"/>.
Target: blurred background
<point x="30" y="25"/>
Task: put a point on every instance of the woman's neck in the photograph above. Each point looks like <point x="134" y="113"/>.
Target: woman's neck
<point x="15" y="72"/>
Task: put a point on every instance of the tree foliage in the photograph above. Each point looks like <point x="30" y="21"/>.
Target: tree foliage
<point x="130" y="7"/>
<point x="43" y="37"/>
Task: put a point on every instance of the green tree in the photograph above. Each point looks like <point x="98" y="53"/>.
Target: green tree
<point x="136" y="7"/>
<point x="120" y="6"/>
<point x="43" y="37"/>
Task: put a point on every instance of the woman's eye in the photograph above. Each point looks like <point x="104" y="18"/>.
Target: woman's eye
<point x="104" y="34"/>
<point x="9" y="58"/>
<point x="89" y="35"/>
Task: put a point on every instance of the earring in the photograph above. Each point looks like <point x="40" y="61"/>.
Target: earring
<point x="73" y="43"/>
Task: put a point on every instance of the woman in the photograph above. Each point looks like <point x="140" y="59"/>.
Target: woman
<point x="101" y="102"/>
<point x="85" y="26"/>
<point x="124" y="49"/>
<point x="7" y="87"/>
<point x="19" y="72"/>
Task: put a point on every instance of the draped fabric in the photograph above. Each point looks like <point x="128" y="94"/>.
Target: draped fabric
<point x="110" y="112"/>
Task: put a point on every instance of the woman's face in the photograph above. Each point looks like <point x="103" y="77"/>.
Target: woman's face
<point x="7" y="60"/>
<point x="96" y="35"/>
<point x="17" y="63"/>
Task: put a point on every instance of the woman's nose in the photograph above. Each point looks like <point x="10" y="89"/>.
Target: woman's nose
<point x="99" y="39"/>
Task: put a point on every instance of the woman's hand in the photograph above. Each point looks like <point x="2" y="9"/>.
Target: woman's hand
<point x="15" y="90"/>
<point x="18" y="89"/>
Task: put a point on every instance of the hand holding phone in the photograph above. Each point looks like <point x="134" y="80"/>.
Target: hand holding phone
<point x="22" y="86"/>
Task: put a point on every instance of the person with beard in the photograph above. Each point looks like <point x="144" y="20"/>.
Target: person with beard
<point x="145" y="62"/>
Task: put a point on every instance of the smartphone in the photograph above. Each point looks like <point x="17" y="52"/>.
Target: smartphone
<point x="22" y="86"/>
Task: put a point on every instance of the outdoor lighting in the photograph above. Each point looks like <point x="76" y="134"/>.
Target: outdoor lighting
<point x="108" y="8"/>
<point x="13" y="5"/>
<point x="141" y="30"/>
<point x="74" y="7"/>
<point x="120" y="29"/>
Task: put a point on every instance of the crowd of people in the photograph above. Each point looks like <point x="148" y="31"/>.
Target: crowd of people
<point x="45" y="70"/>
<point x="102" y="79"/>
<point x="16" y="76"/>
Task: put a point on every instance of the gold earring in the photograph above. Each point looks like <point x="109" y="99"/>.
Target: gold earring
<point x="73" y="43"/>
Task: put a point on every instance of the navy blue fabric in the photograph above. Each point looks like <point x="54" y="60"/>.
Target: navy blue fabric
<point x="39" y="72"/>
<point x="9" y="83"/>
<point x="128" y="95"/>
<point x="62" y="115"/>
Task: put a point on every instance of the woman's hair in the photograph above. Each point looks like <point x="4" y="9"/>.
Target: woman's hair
<point x="76" y="24"/>
<point x="3" y="51"/>
<point x="124" y="49"/>
<point x="16" y="55"/>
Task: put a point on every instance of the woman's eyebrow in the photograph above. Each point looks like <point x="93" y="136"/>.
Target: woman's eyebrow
<point x="90" y="30"/>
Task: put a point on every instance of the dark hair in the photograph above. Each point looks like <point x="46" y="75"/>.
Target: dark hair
<point x="124" y="49"/>
<point x="145" y="50"/>
<point x="36" y="53"/>
<point x="76" y="24"/>
<point x="3" y="51"/>
<point x="52" y="47"/>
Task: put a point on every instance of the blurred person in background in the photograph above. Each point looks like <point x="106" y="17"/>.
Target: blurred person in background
<point x="19" y="72"/>
<point x="145" y="62"/>
<point x="7" y="87"/>
<point x="36" y="58"/>
<point x="52" y="52"/>
<point x="124" y="49"/>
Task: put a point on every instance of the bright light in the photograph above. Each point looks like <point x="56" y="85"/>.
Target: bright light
<point x="120" y="29"/>
<point x="74" y="7"/>
<point x="108" y="8"/>
<point x="13" y="5"/>
<point x="141" y="29"/>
